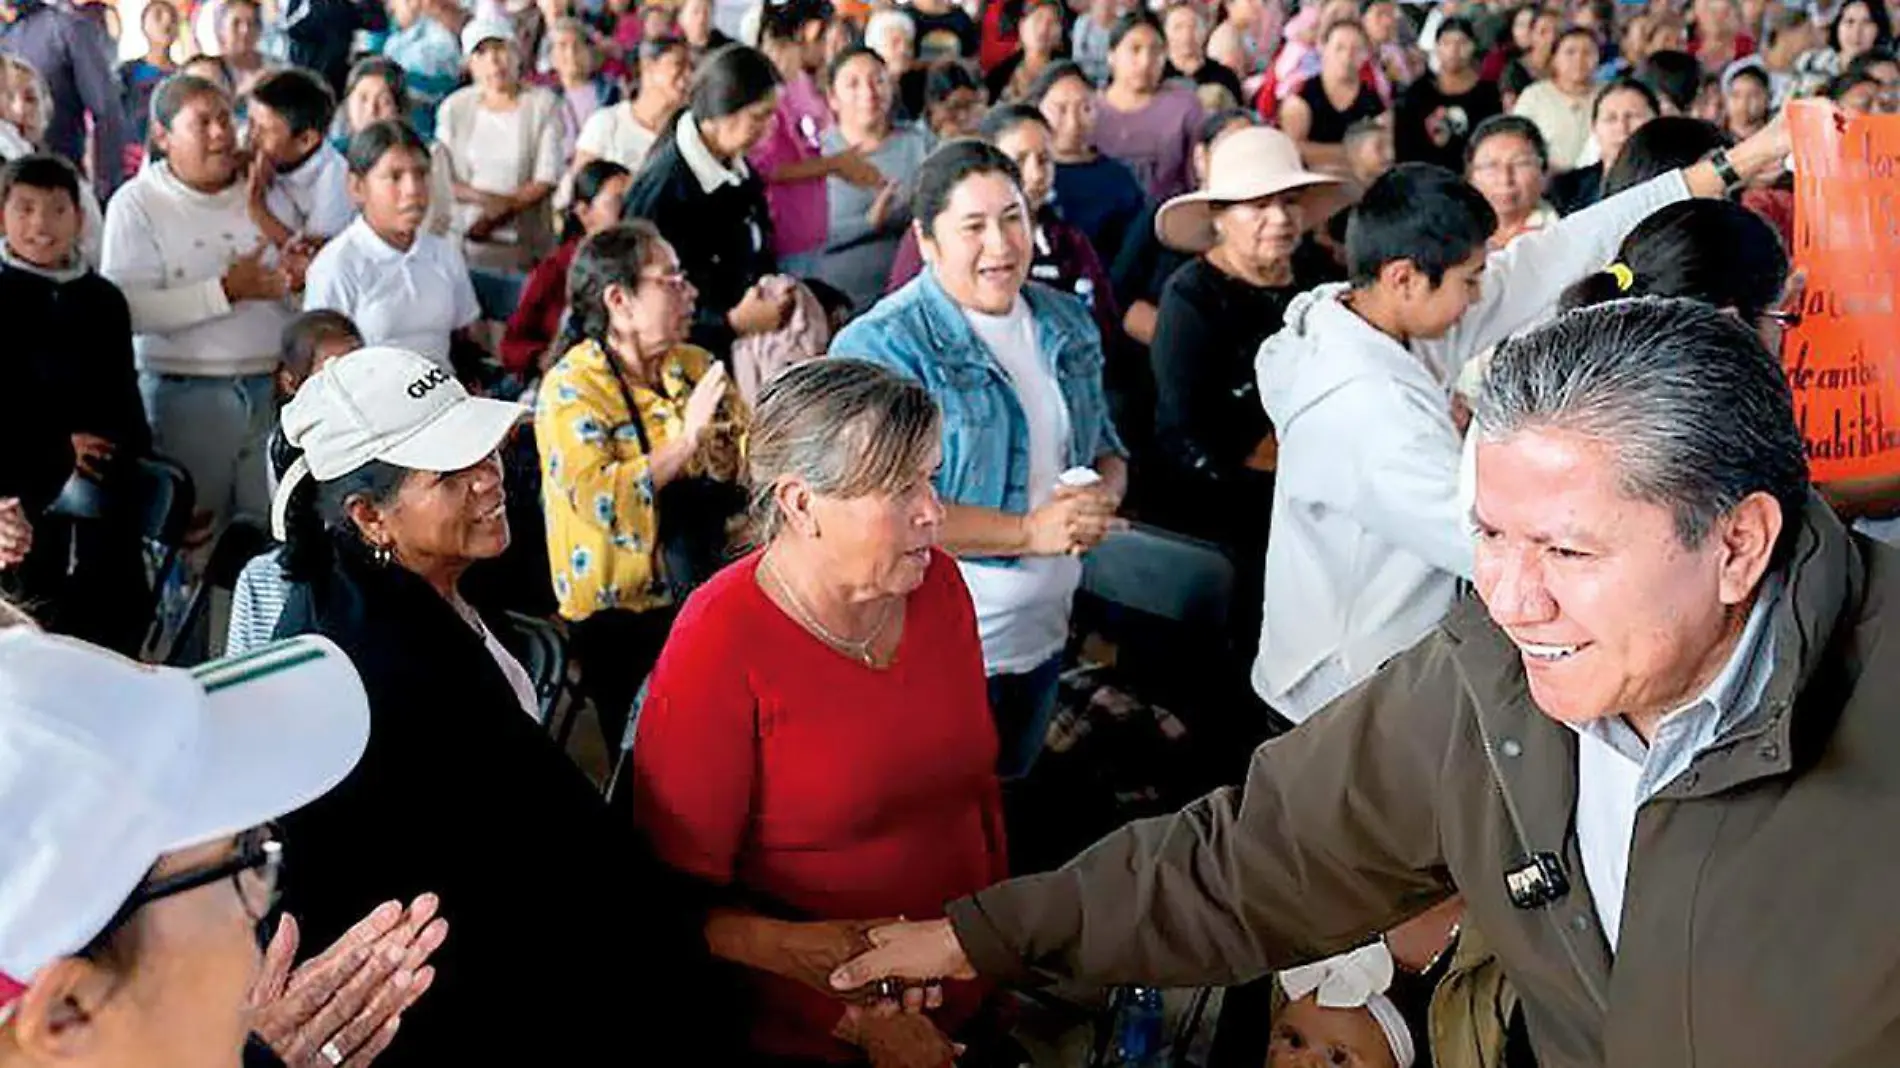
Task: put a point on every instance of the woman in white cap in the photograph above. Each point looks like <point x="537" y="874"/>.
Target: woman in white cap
<point x="1244" y="228"/>
<point x="504" y="138"/>
<point x="139" y="860"/>
<point x="397" y="495"/>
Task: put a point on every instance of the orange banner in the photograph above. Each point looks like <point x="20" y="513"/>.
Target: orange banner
<point x="1843" y="358"/>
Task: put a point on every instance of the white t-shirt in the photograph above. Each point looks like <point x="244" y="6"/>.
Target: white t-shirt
<point x="413" y="300"/>
<point x="494" y="163"/>
<point x="1022" y="613"/>
<point x="314" y="200"/>
<point x="613" y="134"/>
<point x="511" y="669"/>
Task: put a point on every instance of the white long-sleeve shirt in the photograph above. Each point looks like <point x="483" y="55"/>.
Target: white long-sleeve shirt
<point x="1369" y="537"/>
<point x="167" y="247"/>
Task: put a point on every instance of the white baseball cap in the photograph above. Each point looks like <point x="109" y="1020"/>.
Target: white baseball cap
<point x="106" y="763"/>
<point x="483" y="30"/>
<point x="386" y="404"/>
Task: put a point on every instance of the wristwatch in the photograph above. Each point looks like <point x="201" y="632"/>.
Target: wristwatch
<point x="1732" y="180"/>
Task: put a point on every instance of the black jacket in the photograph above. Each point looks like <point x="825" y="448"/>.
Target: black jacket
<point x="724" y="238"/>
<point x="565" y="945"/>
<point x="77" y="338"/>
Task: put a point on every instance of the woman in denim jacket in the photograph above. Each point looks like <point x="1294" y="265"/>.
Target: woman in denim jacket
<point x="1033" y="470"/>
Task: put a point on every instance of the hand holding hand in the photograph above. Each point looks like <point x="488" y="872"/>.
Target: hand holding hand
<point x="901" y="1040"/>
<point x="917" y="951"/>
<point x="348" y="1000"/>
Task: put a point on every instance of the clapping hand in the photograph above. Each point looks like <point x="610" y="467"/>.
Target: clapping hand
<point x="343" y="1006"/>
<point x="16" y="533"/>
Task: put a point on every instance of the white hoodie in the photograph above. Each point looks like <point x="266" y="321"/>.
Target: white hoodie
<point x="1368" y="541"/>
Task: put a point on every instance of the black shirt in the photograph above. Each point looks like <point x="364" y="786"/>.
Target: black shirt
<point x="1330" y="123"/>
<point x="1433" y="126"/>
<point x="1208" y="73"/>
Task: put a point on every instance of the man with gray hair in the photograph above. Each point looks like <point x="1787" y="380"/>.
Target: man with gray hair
<point x="1655" y="755"/>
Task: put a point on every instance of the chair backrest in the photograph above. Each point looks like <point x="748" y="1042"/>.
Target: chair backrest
<point x="150" y="492"/>
<point x="240" y="542"/>
<point x="544" y="648"/>
<point x="1166" y="575"/>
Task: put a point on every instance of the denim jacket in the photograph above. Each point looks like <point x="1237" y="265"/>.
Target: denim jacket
<point x="918" y="331"/>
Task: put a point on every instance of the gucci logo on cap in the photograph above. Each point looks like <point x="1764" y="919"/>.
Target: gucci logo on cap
<point x="420" y="387"/>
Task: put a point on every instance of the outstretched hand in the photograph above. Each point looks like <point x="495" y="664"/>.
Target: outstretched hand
<point x="915" y="951"/>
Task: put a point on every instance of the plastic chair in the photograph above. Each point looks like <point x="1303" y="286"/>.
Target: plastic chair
<point x="152" y="494"/>
<point x="545" y="656"/>
<point x="194" y="643"/>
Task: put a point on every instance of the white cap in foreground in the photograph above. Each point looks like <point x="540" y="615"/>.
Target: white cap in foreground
<point x="106" y="763"/>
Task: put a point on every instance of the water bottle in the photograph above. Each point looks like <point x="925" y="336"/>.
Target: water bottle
<point x="1139" y="1029"/>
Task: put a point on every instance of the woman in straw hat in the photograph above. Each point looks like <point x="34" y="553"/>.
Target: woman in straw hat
<point x="1246" y="228"/>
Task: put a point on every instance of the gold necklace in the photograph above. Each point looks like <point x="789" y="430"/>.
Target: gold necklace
<point x="856" y="649"/>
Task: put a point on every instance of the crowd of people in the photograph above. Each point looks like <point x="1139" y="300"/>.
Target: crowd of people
<point x="789" y="363"/>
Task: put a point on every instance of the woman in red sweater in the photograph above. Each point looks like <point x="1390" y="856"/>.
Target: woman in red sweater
<point x="817" y="742"/>
<point x="529" y="336"/>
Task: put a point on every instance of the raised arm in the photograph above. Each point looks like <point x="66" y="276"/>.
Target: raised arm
<point x="1333" y="838"/>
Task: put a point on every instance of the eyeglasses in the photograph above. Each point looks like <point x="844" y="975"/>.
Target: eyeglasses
<point x="254" y="870"/>
<point x="673" y="280"/>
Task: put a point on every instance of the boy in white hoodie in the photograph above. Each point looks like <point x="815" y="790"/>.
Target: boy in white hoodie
<point x="1368" y="545"/>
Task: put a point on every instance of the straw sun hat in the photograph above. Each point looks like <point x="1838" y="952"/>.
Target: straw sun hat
<point x="1246" y="165"/>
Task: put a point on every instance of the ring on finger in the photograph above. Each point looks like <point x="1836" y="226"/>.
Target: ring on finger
<point x="331" y="1053"/>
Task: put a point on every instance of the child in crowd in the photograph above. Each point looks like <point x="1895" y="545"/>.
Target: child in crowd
<point x="1337" y="1012"/>
<point x="298" y="183"/>
<point x="257" y="600"/>
<point x="138" y="77"/>
<point x="1368" y="147"/>
<point x="1369" y="543"/>
<point x="69" y="345"/>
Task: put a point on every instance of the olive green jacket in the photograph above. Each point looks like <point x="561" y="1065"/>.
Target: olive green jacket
<point x="1759" y="926"/>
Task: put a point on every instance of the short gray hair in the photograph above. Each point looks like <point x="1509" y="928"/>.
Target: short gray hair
<point x="846" y="427"/>
<point x="1695" y="407"/>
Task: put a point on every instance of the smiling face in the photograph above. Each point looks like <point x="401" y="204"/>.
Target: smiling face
<point x="1611" y="612"/>
<point x="40" y="225"/>
<point x="440" y="522"/>
<point x="979" y="244"/>
<point x="861" y="94"/>
<point x="200" y="145"/>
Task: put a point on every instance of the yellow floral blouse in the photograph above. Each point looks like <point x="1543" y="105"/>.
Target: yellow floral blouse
<point x="597" y="492"/>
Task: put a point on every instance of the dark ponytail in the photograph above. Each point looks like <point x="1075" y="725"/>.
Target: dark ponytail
<point x="1713" y="251"/>
<point x="588" y="182"/>
<point x="612" y="257"/>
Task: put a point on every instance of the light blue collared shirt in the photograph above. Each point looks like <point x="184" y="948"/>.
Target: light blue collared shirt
<point x="1617" y="773"/>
